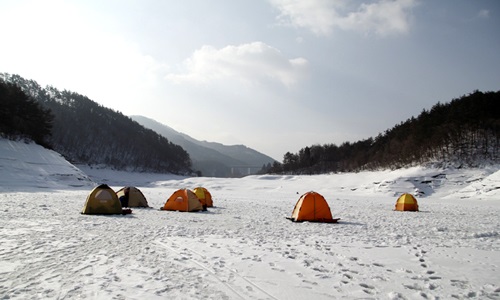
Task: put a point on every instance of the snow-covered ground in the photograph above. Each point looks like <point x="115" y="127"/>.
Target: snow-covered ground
<point x="244" y="248"/>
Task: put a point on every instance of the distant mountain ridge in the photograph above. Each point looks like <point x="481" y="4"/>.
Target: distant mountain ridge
<point x="210" y="158"/>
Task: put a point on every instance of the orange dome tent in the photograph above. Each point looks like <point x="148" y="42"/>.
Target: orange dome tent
<point x="312" y="207"/>
<point x="407" y="202"/>
<point x="204" y="195"/>
<point x="183" y="200"/>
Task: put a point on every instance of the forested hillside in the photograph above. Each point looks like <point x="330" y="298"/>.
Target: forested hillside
<point x="465" y="132"/>
<point x="86" y="132"/>
<point x="21" y="116"/>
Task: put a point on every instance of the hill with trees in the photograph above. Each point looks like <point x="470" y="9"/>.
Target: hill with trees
<point x="21" y="116"/>
<point x="463" y="132"/>
<point x="83" y="131"/>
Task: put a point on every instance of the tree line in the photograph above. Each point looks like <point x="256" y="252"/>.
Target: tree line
<point x="85" y="132"/>
<point x="21" y="116"/>
<point x="464" y="131"/>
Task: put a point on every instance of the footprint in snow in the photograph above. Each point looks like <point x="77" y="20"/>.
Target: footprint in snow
<point x="366" y="286"/>
<point x="458" y="282"/>
<point x="414" y="286"/>
<point x="256" y="258"/>
<point x="396" y="296"/>
<point x="310" y="282"/>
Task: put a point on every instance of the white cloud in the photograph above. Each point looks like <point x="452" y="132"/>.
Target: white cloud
<point x="316" y="15"/>
<point x="384" y="17"/>
<point x="251" y="64"/>
<point x="483" y="14"/>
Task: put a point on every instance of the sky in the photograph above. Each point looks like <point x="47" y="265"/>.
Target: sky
<point x="274" y="75"/>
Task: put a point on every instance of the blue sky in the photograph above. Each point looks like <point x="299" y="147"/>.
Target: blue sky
<point x="275" y="75"/>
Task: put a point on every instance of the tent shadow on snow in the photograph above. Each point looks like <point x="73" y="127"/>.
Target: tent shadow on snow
<point x="117" y="216"/>
<point x="348" y="223"/>
<point x="217" y="207"/>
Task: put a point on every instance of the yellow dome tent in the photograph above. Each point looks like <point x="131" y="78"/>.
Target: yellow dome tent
<point x="204" y="195"/>
<point x="406" y="202"/>
<point x="102" y="200"/>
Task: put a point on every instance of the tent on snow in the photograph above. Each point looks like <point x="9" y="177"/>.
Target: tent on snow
<point x="204" y="195"/>
<point x="312" y="207"/>
<point x="135" y="197"/>
<point x="406" y="202"/>
<point x="102" y="200"/>
<point x="183" y="200"/>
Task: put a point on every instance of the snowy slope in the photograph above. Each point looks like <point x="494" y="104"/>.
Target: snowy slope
<point x="244" y="248"/>
<point x="25" y="166"/>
